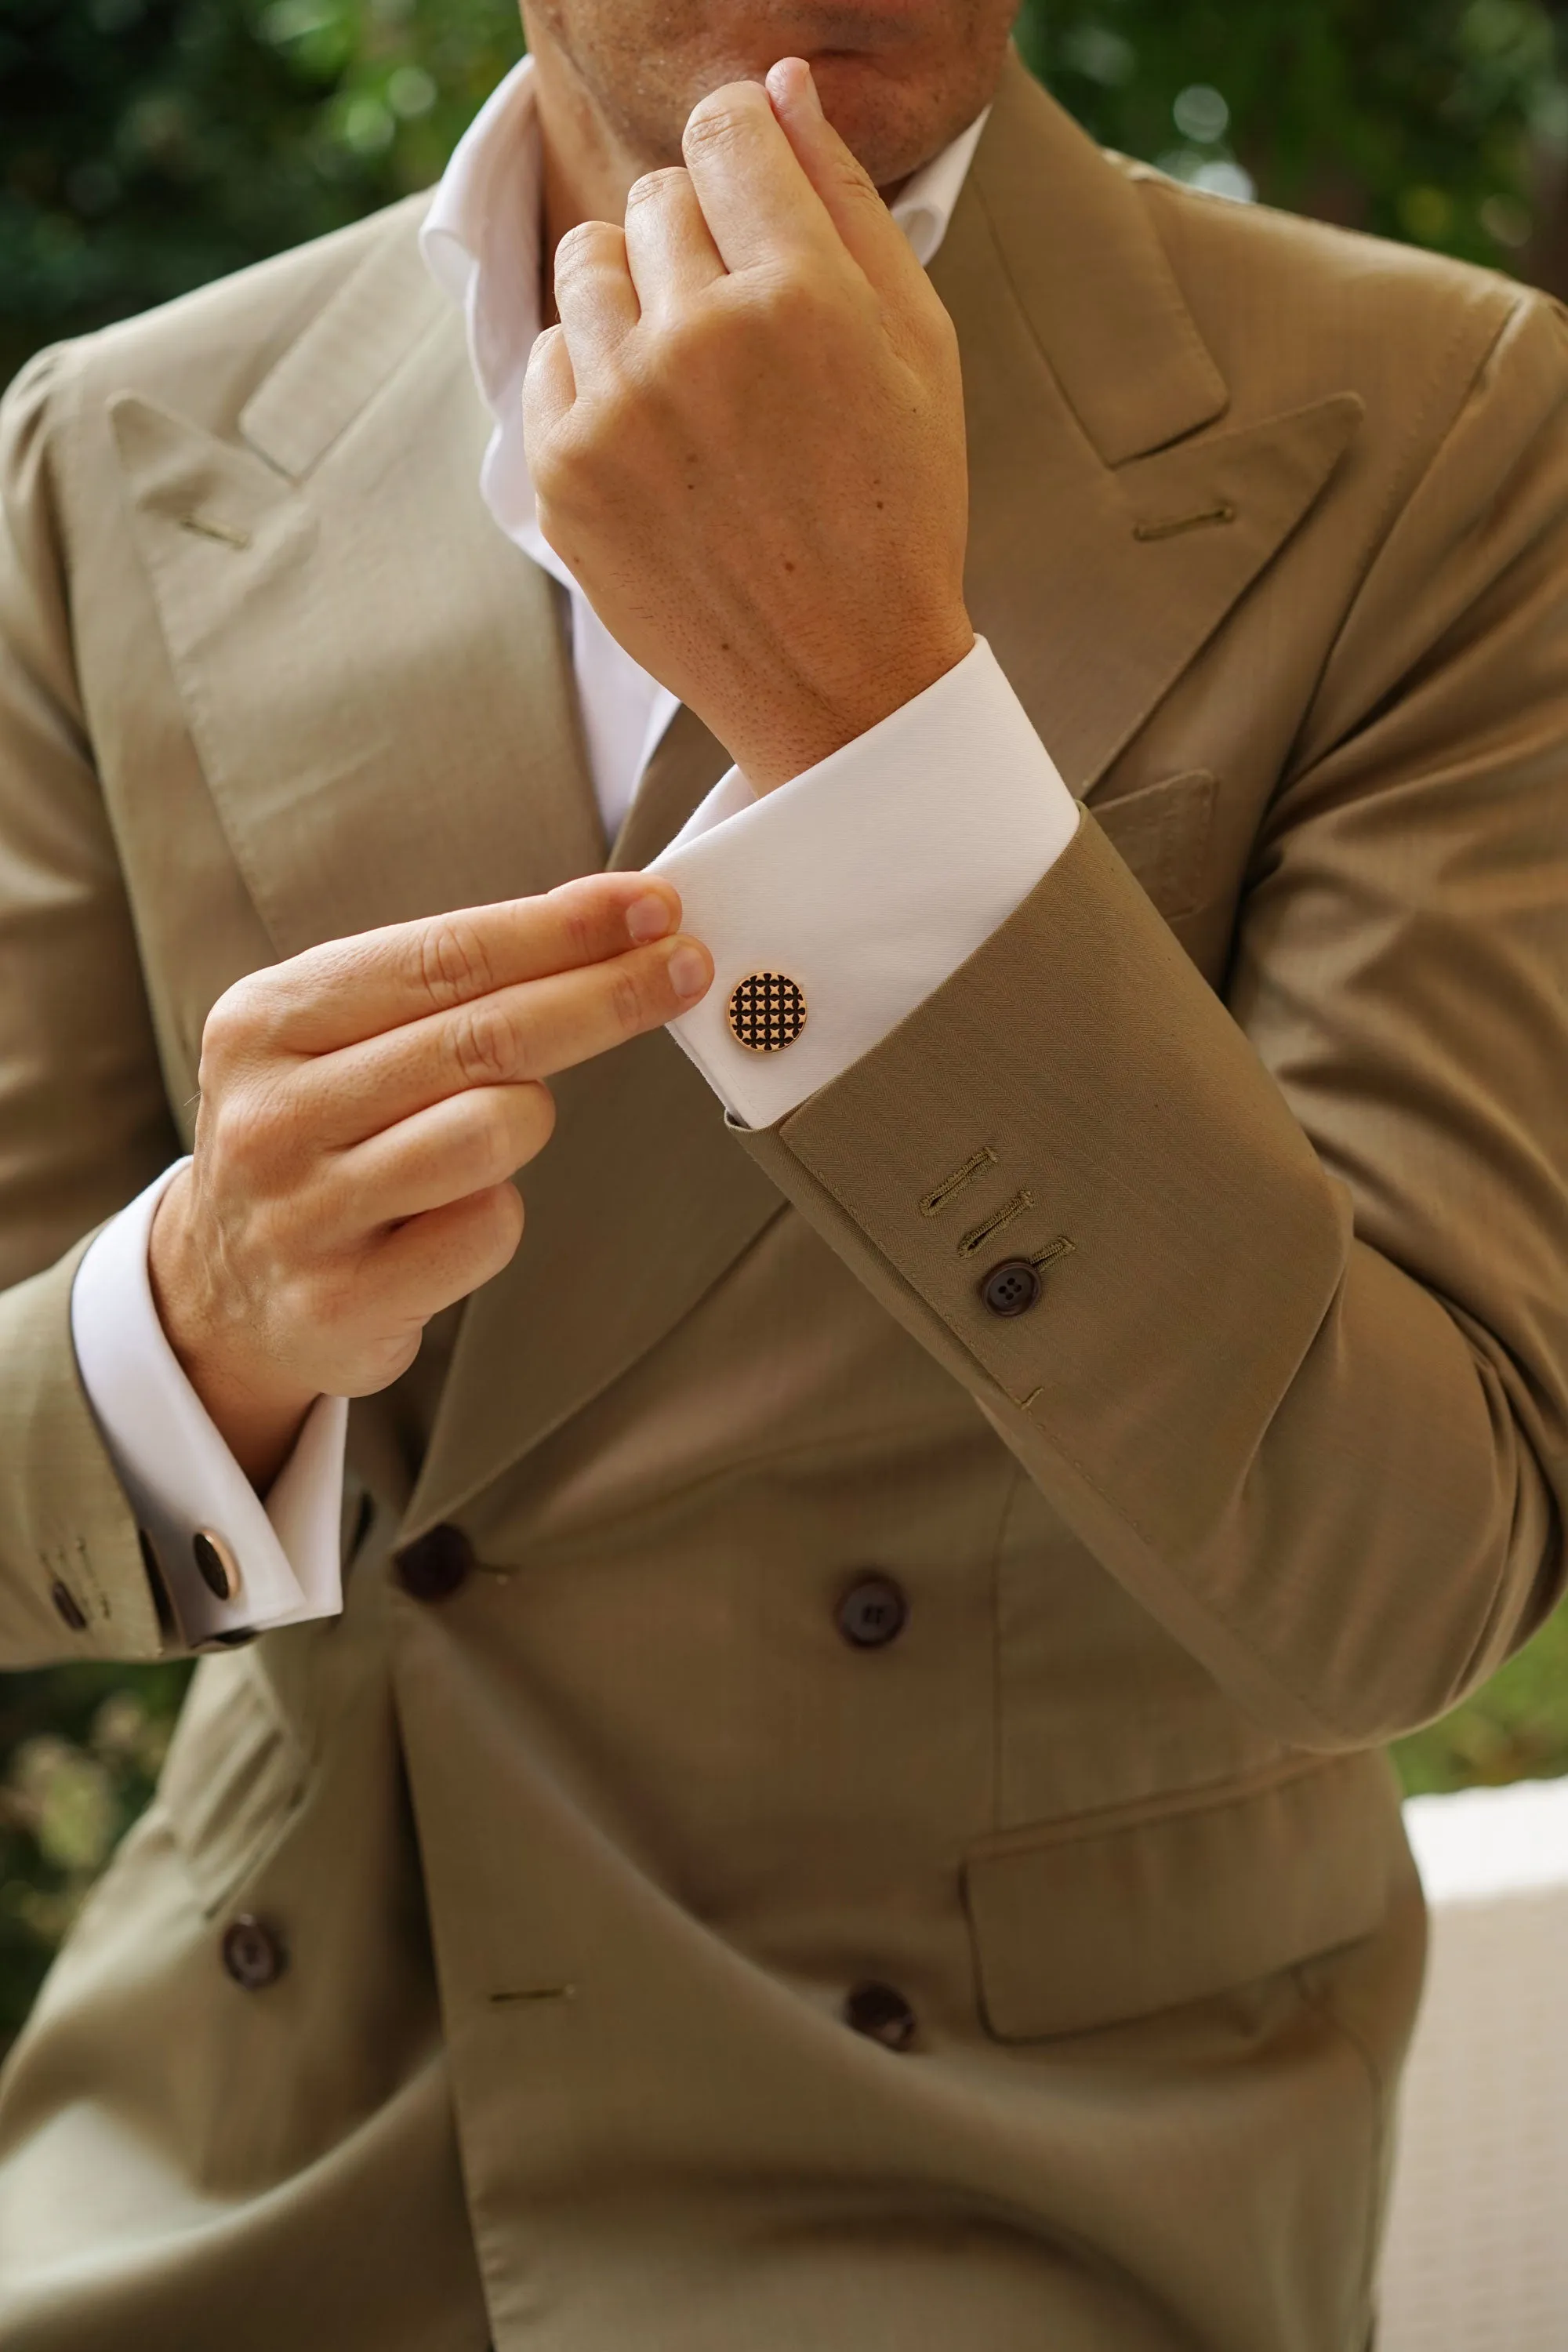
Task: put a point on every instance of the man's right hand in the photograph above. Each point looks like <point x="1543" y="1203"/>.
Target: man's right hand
<point x="362" y="1108"/>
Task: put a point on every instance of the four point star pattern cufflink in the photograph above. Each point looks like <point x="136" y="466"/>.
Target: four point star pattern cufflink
<point x="767" y="1011"/>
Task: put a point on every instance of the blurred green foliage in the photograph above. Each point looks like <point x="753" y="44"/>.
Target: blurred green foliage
<point x="147" y="145"/>
<point x="81" y="1747"/>
<point x="1439" y="122"/>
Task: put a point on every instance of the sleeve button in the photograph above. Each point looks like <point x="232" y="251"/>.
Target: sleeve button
<point x="253" y="1953"/>
<point x="68" y="1608"/>
<point x="1012" y="1288"/>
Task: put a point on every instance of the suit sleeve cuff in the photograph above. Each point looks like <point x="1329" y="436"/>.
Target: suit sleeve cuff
<point x="868" y="881"/>
<point x="177" y="1472"/>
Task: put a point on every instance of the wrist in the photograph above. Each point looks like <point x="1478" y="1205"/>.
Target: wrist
<point x="257" y="1412"/>
<point x="772" y="747"/>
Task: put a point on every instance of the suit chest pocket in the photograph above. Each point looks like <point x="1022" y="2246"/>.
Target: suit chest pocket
<point x="236" y="1774"/>
<point x="1161" y="831"/>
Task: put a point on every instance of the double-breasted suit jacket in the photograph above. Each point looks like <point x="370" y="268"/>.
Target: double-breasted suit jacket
<point x="581" y="1870"/>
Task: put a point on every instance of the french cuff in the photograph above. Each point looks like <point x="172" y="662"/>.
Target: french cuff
<point x="206" y="1526"/>
<point x="838" y="903"/>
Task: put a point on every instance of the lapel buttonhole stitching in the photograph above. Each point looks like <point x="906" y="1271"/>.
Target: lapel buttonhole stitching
<point x="1206" y="519"/>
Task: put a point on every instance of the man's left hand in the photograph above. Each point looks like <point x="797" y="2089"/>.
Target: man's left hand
<point x="746" y="435"/>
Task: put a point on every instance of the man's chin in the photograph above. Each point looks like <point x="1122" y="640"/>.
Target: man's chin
<point x="892" y="122"/>
<point x="891" y="119"/>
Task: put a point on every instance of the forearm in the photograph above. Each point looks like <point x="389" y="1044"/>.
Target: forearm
<point x="1284" y="1446"/>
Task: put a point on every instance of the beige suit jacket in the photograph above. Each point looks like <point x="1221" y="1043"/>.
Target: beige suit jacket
<point x="575" y="1869"/>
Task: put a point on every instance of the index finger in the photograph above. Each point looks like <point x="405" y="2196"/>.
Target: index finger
<point x="353" y="989"/>
<point x="756" y="199"/>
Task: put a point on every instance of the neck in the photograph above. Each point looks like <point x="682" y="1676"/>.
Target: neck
<point x="585" y="169"/>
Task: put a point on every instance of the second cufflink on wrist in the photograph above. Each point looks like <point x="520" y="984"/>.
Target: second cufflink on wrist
<point x="767" y="1011"/>
<point x="216" y="1564"/>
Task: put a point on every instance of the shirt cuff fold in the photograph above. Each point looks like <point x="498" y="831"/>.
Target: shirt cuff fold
<point x="867" y="880"/>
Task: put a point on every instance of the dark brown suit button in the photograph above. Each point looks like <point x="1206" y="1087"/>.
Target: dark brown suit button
<point x="880" y="2013"/>
<point x="253" y="1953"/>
<point x="873" y="1612"/>
<point x="1012" y="1288"/>
<point x="435" y="1564"/>
<point x="68" y="1608"/>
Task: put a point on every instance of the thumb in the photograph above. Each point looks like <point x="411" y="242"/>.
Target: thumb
<point x="846" y="191"/>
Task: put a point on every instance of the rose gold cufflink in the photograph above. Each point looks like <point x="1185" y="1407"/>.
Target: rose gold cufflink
<point x="216" y="1564"/>
<point x="767" y="1011"/>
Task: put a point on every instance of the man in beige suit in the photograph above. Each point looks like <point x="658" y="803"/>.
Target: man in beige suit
<point x="840" y="1808"/>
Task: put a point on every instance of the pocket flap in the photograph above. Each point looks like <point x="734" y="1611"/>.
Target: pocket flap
<point x="1161" y="832"/>
<point x="1098" y="1920"/>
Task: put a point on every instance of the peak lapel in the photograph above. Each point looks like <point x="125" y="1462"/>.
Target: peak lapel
<point x="1117" y="510"/>
<point x="374" y="678"/>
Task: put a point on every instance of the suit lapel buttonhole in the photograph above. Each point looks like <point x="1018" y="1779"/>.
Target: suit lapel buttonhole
<point x="1208" y="519"/>
<point x="227" y="534"/>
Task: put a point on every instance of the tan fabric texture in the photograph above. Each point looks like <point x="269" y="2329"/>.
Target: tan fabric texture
<point x="576" y="1868"/>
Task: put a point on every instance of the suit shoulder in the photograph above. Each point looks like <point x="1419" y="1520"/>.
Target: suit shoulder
<point x="1297" y="307"/>
<point x="206" y="352"/>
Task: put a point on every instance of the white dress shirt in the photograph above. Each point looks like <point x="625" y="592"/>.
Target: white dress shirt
<point x="869" y="878"/>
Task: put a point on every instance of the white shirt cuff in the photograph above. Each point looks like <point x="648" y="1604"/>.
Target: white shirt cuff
<point x="177" y="1472"/>
<point x="867" y="879"/>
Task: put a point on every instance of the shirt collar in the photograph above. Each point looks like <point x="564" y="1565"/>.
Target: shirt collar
<point x="482" y="234"/>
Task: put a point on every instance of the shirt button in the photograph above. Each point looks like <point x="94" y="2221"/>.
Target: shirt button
<point x="435" y="1564"/>
<point x="1012" y="1288"/>
<point x="882" y="2013"/>
<point x="253" y="1953"/>
<point x="872" y="1614"/>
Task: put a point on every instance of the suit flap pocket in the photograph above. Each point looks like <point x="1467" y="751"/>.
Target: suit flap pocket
<point x="235" y="1773"/>
<point x="1097" y="1921"/>
<point x="1161" y="831"/>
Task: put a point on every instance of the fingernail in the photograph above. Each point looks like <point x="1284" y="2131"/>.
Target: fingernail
<point x="792" y="79"/>
<point x="648" y="917"/>
<point x="688" y="972"/>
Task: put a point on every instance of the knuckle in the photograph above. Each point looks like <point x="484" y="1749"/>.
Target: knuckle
<point x="579" y="928"/>
<point x="454" y="963"/>
<point x="723" y="115"/>
<point x="231" y="1027"/>
<point x="586" y="245"/>
<point x="657" y="188"/>
<point x="789" y="303"/>
<point x="628" y="1000"/>
<point x="564" y="468"/>
<point x="484" y="1045"/>
<point x="323" y="1300"/>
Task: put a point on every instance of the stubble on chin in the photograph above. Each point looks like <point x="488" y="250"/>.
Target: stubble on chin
<point x="642" y="71"/>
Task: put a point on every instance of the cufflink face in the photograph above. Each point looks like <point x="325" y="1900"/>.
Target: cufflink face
<point x="767" y="1011"/>
<point x="216" y="1564"/>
